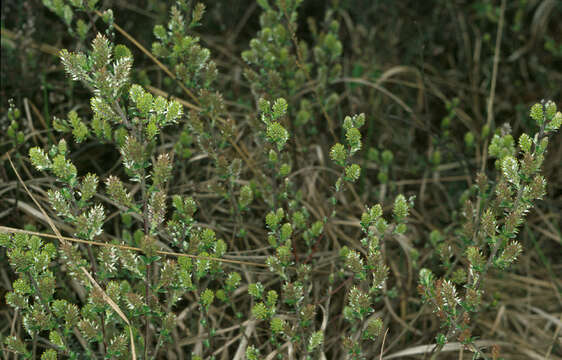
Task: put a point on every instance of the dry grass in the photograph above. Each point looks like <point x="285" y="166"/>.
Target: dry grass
<point x="405" y="103"/>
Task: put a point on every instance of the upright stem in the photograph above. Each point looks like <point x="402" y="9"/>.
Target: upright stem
<point x="146" y="317"/>
<point x="34" y="347"/>
<point x="46" y="306"/>
<point x="142" y="174"/>
<point x="301" y="65"/>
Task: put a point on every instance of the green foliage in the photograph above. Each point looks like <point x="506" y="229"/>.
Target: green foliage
<point x="191" y="63"/>
<point x="196" y="186"/>
<point x="342" y="155"/>
<point x="486" y="244"/>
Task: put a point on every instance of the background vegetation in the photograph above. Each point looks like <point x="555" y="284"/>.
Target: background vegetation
<point x="225" y="149"/>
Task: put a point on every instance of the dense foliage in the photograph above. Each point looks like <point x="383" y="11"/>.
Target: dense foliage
<point x="280" y="179"/>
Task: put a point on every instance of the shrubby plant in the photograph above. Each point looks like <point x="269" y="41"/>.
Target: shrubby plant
<point x="160" y="258"/>
<point x="133" y="130"/>
<point x="487" y="237"/>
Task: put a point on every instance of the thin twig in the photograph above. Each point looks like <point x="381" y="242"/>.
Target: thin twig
<point x="490" y="109"/>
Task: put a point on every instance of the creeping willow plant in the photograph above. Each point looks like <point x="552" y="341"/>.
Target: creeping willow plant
<point x="310" y="278"/>
<point x="487" y="239"/>
<point x="147" y="292"/>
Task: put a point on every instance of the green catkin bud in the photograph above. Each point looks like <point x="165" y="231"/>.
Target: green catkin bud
<point x="207" y="298"/>
<point x="277" y="134"/>
<point x="285" y="170"/>
<point x="316" y="339"/>
<point x="550" y="108"/>
<point x="286" y="232"/>
<point x="39" y="159"/>
<point x="400" y="207"/>
<point x="469" y="139"/>
<point x="387" y="157"/>
<point x="277" y="325"/>
<point x="88" y="186"/>
<point x="353" y="137"/>
<point x="510" y="170"/>
<point x="352" y="172"/>
<point x="256" y="290"/>
<point x="279" y="108"/>
<point x="246" y="196"/>
<point x="252" y="353"/>
<point x="525" y="143"/>
<point x="374" y="328"/>
<point x="338" y="154"/>
<point x="537" y="114"/>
